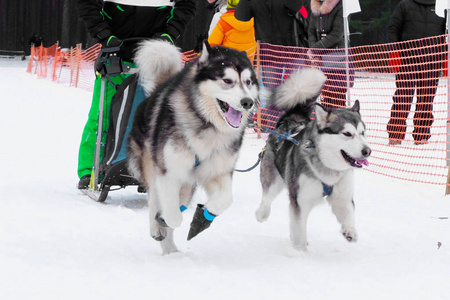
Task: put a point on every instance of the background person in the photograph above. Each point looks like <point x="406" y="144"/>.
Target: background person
<point x="35" y="40"/>
<point x="274" y="24"/>
<point x="326" y="31"/>
<point x="420" y="66"/>
<point x="198" y="29"/>
<point x="230" y="32"/>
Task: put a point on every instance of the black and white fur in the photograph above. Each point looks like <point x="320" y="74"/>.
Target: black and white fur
<point x="189" y="131"/>
<point x="330" y="147"/>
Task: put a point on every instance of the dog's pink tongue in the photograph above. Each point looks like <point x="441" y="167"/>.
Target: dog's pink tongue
<point x="363" y="162"/>
<point x="233" y="117"/>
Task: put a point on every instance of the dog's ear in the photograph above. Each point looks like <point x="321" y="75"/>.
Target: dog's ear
<point x="243" y="55"/>
<point x="205" y="52"/>
<point x="355" y="106"/>
<point x="321" y="115"/>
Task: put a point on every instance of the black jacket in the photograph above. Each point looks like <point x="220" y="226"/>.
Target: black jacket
<point x="415" y="19"/>
<point x="106" y="18"/>
<point x="273" y="19"/>
<point x="326" y="25"/>
<point x="197" y="30"/>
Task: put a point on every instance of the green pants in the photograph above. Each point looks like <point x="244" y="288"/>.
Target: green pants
<point x="88" y="139"/>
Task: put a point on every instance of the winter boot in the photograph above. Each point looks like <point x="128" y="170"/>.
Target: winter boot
<point x="83" y="184"/>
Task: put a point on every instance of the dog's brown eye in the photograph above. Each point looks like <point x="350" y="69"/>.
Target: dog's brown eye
<point x="227" y="81"/>
<point x="347" y="133"/>
<point x="248" y="82"/>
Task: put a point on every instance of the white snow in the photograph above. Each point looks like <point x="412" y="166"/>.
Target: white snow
<point x="56" y="243"/>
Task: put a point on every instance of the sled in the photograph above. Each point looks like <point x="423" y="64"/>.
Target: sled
<point x="109" y="170"/>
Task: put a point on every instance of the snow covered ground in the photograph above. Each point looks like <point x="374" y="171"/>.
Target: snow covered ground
<point x="56" y="243"/>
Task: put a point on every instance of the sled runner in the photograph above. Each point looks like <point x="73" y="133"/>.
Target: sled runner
<point x="110" y="161"/>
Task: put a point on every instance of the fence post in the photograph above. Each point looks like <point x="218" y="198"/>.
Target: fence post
<point x="70" y="60"/>
<point x="349" y="7"/>
<point x="447" y="187"/>
<point x="347" y="72"/>
<point x="56" y="61"/>
<point x="30" y="63"/>
<point x="40" y="50"/>
<point x="258" y="75"/>
<point x="78" y="62"/>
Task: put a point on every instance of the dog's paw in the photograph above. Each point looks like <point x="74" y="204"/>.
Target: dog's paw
<point x="158" y="233"/>
<point x="301" y="247"/>
<point x="350" y="234"/>
<point x="262" y="214"/>
<point x="293" y="252"/>
<point x="173" y="219"/>
<point x="168" y="247"/>
<point x="169" y="250"/>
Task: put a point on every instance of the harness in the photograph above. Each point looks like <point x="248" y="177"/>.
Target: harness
<point x="288" y="136"/>
<point x="327" y="189"/>
<point x="308" y="144"/>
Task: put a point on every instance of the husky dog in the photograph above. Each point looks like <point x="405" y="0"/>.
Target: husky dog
<point x="312" y="158"/>
<point x="188" y="132"/>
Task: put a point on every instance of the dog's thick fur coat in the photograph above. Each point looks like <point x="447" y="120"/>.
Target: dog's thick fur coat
<point x="328" y="149"/>
<point x="189" y="131"/>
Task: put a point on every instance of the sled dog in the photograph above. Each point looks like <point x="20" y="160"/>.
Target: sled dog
<point x="188" y="132"/>
<point x="312" y="157"/>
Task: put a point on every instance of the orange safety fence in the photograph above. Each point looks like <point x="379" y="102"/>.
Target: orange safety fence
<point x="41" y="58"/>
<point x="372" y="79"/>
<point x="373" y="73"/>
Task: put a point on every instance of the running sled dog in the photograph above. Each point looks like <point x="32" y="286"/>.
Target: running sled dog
<point x="312" y="157"/>
<point x="188" y="132"/>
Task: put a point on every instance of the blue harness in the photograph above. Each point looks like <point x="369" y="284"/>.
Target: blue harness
<point x="327" y="189"/>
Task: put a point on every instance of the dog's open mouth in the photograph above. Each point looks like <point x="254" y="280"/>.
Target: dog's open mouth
<point x="232" y="117"/>
<point x="354" y="162"/>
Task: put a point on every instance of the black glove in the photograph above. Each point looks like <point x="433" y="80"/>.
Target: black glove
<point x="164" y="36"/>
<point x="112" y="42"/>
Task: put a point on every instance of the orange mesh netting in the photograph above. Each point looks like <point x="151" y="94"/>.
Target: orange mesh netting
<point x="418" y="65"/>
<point x="371" y="77"/>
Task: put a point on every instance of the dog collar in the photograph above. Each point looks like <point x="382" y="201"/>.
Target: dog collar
<point x="197" y="161"/>
<point x="327" y="189"/>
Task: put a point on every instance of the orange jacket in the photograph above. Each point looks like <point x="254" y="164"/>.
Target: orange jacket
<point x="230" y="32"/>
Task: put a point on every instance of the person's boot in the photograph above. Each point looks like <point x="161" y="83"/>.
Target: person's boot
<point x="83" y="184"/>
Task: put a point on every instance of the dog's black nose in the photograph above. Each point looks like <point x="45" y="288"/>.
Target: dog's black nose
<point x="366" y="152"/>
<point x="247" y="103"/>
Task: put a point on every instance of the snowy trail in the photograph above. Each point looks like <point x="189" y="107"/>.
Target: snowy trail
<point x="56" y="243"/>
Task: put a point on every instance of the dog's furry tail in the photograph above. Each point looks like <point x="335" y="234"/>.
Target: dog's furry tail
<point x="157" y="61"/>
<point x="301" y="88"/>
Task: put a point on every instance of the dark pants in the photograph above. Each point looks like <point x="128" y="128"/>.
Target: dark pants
<point x="422" y="79"/>
<point x="334" y="91"/>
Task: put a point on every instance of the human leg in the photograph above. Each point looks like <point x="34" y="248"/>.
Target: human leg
<point x="88" y="139"/>
<point x="423" y="116"/>
<point x="334" y="91"/>
<point x="403" y="97"/>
